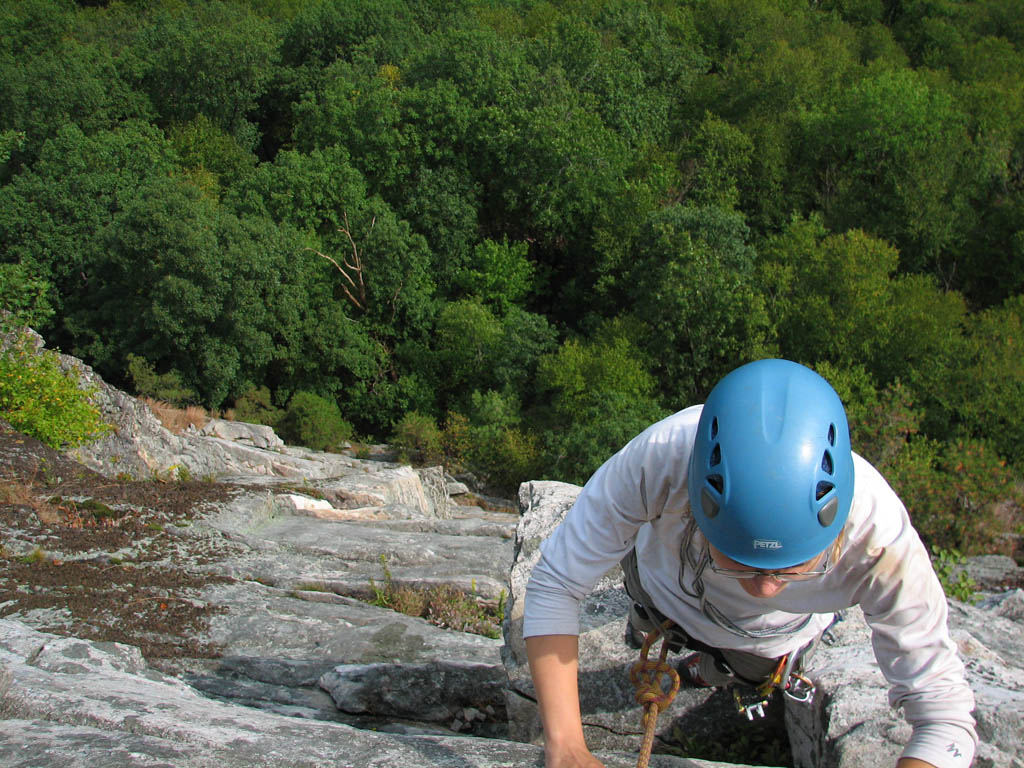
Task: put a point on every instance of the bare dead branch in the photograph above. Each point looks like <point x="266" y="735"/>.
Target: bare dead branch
<point x="352" y="270"/>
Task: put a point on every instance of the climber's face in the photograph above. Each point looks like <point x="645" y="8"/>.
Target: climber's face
<point x="757" y="583"/>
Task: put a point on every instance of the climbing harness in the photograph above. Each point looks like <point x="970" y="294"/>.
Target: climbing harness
<point x="646" y="678"/>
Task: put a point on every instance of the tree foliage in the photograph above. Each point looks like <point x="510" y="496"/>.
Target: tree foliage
<point x="535" y="226"/>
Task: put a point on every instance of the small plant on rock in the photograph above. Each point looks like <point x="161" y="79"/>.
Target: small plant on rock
<point x="441" y="604"/>
<point x="956" y="582"/>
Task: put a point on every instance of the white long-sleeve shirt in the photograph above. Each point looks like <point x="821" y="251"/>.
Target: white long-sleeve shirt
<point x="639" y="498"/>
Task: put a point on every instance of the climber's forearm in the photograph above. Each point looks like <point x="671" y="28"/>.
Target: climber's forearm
<point x="554" y="665"/>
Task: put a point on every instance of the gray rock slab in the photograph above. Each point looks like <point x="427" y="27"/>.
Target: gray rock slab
<point x="51" y="718"/>
<point x="289" y="550"/>
<point x="294" y="637"/>
<point x="991" y="572"/>
<point x="851" y="724"/>
<point x="256" y="435"/>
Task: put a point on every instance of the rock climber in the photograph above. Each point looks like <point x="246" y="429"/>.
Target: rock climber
<point x="749" y="523"/>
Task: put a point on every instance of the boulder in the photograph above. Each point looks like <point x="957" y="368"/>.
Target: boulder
<point x="850" y="723"/>
<point x="256" y="435"/>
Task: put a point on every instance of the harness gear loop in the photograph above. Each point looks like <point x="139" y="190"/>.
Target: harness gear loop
<point x="646" y="678"/>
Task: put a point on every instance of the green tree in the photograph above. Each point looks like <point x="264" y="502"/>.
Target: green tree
<point x="24" y="297"/>
<point x="602" y="393"/>
<point x="898" y="162"/>
<point x="52" y="215"/>
<point x="830" y="301"/>
<point x="213" y="157"/>
<point x="692" y="287"/>
<point x="989" y="381"/>
<point x="215" y="61"/>
<point x="68" y="83"/>
<point x="499" y="274"/>
<point x="714" y="160"/>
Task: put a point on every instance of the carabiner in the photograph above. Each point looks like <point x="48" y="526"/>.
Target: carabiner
<point x="799" y="689"/>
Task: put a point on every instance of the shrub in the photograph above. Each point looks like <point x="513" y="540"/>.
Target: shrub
<point x="506" y="456"/>
<point x="456" y="441"/>
<point x="417" y="439"/>
<point x="441" y="604"/>
<point x="167" y="387"/>
<point x="956" y="582"/>
<point x="952" y="489"/>
<point x="255" y="407"/>
<point x="314" y="422"/>
<point x="44" y="402"/>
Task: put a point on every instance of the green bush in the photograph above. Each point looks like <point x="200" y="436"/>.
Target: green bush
<point x="456" y="441"/>
<point x="255" y="407"/>
<point x="314" y="422"/>
<point x="167" y="387"/>
<point x="952" y="490"/>
<point x="417" y="439"/>
<point x="505" y="456"/>
<point x="956" y="582"/>
<point x="44" y="402"/>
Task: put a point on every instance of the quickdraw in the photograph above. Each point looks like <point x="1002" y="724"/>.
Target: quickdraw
<point x="792" y="684"/>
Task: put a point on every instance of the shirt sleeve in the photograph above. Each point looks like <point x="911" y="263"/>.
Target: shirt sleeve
<point x="906" y="609"/>
<point x="628" y="490"/>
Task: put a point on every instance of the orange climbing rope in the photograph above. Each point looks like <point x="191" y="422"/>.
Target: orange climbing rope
<point x="646" y="678"/>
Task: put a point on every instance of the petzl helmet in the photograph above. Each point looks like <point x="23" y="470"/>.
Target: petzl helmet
<point x="771" y="473"/>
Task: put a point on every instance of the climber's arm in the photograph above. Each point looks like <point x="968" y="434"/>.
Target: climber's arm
<point x="554" y="665"/>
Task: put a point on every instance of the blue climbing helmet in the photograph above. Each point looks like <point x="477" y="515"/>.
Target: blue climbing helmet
<point x="771" y="473"/>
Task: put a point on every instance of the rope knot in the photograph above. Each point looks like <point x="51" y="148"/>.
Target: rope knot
<point x="646" y="676"/>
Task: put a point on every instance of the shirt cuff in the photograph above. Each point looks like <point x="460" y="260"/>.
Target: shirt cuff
<point x="944" y="745"/>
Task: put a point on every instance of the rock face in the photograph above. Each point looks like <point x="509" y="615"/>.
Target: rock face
<point x="279" y="564"/>
<point x="284" y="666"/>
<point x="850" y="723"/>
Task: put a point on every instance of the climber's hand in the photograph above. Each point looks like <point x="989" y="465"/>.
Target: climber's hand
<point x="577" y="757"/>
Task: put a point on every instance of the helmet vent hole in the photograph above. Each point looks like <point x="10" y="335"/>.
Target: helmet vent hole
<point x="716" y="482"/>
<point x="822" y="489"/>
<point x="827" y="514"/>
<point x="826" y="463"/>
<point x="714" y="428"/>
<point x="716" y="455"/>
<point x="832" y="435"/>
<point x="707" y="503"/>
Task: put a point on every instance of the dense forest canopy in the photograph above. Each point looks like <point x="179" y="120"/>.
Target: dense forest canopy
<point x="514" y="232"/>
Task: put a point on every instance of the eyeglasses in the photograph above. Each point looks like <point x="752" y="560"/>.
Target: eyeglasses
<point x="786" y="576"/>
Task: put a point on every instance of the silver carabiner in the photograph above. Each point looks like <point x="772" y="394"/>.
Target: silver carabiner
<point x="799" y="689"/>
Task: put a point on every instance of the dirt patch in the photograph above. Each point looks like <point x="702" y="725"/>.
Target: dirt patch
<point x="85" y="556"/>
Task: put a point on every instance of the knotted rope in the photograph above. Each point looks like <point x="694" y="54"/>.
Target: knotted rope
<point x="646" y="678"/>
